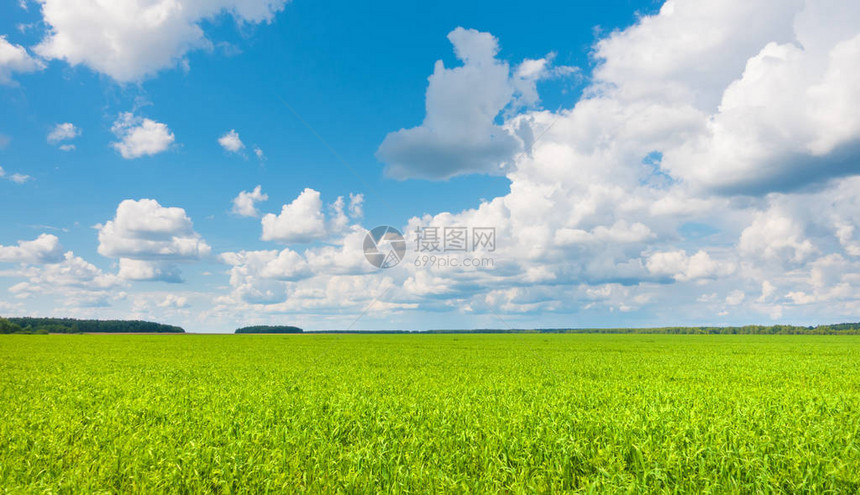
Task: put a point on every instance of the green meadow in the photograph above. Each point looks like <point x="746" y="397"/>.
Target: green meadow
<point x="519" y="413"/>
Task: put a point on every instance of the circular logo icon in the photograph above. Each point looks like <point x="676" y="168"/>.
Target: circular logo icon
<point x="384" y="246"/>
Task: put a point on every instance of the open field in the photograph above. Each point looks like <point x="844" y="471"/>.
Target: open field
<point x="429" y="413"/>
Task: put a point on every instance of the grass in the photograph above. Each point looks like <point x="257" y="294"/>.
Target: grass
<point x="429" y="413"/>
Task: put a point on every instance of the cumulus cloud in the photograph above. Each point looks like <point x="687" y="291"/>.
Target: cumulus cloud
<point x="459" y="134"/>
<point x="140" y="136"/>
<point x="230" y="141"/>
<point x="174" y="301"/>
<point x="144" y="270"/>
<point x="149" y="239"/>
<point x="129" y="40"/>
<point x="16" y="177"/>
<point x="76" y="281"/>
<point x="245" y="204"/>
<point x="64" y="132"/>
<point x="303" y="220"/>
<point x="770" y="108"/>
<point x="300" y="221"/>
<point x="775" y="236"/>
<point x="15" y="59"/>
<point x="258" y="277"/>
<point x="44" y="249"/>
<point x="681" y="267"/>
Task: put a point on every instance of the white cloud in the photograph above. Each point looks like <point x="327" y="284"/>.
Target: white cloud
<point x="681" y="267"/>
<point x="775" y="236"/>
<point x="303" y="220"/>
<point x="458" y="134"/>
<point x="15" y="59"/>
<point x="72" y="278"/>
<point x="356" y="205"/>
<point x="129" y="40"/>
<point x="245" y="204"/>
<point x="529" y="72"/>
<point x="16" y="177"/>
<point x="786" y="120"/>
<point x="134" y="269"/>
<point x="259" y="153"/>
<point x="140" y="136"/>
<point x="230" y="141"/>
<point x="174" y="301"/>
<point x="63" y="132"/>
<point x="660" y="57"/>
<point x="735" y="297"/>
<point x="44" y="249"/>
<point x="300" y="221"/>
<point x="767" y="291"/>
<point x="259" y="277"/>
<point x="149" y="239"/>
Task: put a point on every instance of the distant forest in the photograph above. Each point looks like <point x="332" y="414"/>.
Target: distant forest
<point x="269" y="329"/>
<point x="29" y="325"/>
<point x="836" y="329"/>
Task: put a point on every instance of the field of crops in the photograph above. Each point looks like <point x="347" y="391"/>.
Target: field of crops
<point x="429" y="413"/>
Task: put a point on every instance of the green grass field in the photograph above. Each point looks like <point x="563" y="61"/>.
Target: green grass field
<point x="429" y="413"/>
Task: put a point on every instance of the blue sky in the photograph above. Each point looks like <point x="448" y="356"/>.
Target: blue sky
<point x="641" y="163"/>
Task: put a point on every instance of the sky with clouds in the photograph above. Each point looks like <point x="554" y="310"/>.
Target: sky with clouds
<point x="215" y="164"/>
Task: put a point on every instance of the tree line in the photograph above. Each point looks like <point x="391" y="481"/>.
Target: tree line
<point x="30" y="325"/>
<point x="269" y="329"/>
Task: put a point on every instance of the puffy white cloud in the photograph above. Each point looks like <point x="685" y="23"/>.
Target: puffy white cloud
<point x="149" y="238"/>
<point x="133" y="269"/>
<point x="44" y="249"/>
<point x="245" y="204"/>
<point x="16" y="177"/>
<point x="303" y="220"/>
<point x="259" y="277"/>
<point x="14" y="58"/>
<point x="73" y="278"/>
<point x="356" y="205"/>
<point x="529" y="72"/>
<point x="681" y="267"/>
<point x="129" y="40"/>
<point x="174" y="301"/>
<point x="660" y="57"/>
<point x="785" y="121"/>
<point x="300" y="221"/>
<point x="775" y="236"/>
<point x="258" y="152"/>
<point x="735" y="297"/>
<point x="63" y="132"/>
<point x="140" y="136"/>
<point x="619" y="232"/>
<point x="767" y="291"/>
<point x="458" y="134"/>
<point x="230" y="141"/>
